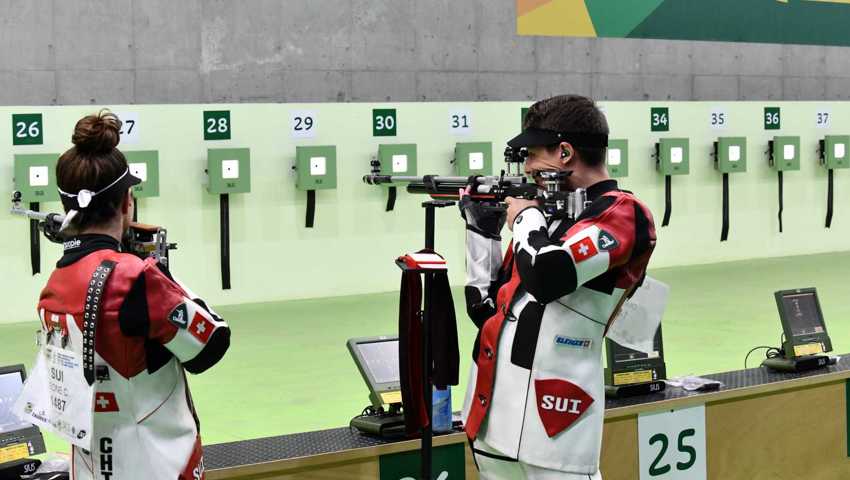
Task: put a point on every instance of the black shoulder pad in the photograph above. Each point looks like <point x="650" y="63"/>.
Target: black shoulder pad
<point x="133" y="314"/>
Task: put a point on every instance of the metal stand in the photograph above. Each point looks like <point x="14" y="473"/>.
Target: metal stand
<point x="427" y="386"/>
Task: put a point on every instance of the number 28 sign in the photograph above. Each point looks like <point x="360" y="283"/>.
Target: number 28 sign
<point x="672" y="444"/>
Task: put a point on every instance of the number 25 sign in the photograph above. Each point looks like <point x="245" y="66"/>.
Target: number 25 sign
<point x="672" y="444"/>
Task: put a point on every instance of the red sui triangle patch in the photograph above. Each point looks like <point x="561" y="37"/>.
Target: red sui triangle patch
<point x="560" y="403"/>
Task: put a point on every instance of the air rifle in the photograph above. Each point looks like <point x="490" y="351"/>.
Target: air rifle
<point x="141" y="240"/>
<point x="493" y="190"/>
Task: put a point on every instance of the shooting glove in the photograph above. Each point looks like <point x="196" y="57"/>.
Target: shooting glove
<point x="485" y="220"/>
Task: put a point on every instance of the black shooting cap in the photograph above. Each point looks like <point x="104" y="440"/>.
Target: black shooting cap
<point x="539" y="137"/>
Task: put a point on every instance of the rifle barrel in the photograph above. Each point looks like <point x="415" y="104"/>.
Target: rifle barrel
<point x="40" y="216"/>
<point x="437" y="179"/>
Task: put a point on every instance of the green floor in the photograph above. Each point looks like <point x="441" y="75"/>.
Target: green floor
<point x="288" y="369"/>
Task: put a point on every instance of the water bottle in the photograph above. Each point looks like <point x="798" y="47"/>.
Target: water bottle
<point x="442" y="410"/>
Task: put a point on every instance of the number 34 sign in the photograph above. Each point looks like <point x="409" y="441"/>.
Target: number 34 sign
<point x="672" y="444"/>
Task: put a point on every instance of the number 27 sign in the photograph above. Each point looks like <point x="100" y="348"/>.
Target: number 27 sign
<point x="672" y="444"/>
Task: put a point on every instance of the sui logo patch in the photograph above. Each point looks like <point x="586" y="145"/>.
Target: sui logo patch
<point x="560" y="403"/>
<point x="179" y="317"/>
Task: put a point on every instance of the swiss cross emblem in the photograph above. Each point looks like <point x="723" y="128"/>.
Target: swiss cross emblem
<point x="560" y="403"/>
<point x="105" y="402"/>
<point x="583" y="249"/>
<point x="201" y="328"/>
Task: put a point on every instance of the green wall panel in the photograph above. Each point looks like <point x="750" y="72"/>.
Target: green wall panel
<point x="280" y="259"/>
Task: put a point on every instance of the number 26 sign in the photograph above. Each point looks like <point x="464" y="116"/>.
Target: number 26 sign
<point x="672" y="444"/>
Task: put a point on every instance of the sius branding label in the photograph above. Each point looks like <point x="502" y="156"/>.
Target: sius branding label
<point x="573" y="342"/>
<point x="71" y="244"/>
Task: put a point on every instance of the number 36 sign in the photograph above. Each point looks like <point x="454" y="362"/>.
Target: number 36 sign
<point x="672" y="444"/>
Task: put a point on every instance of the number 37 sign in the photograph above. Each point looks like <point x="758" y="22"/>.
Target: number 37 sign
<point x="672" y="444"/>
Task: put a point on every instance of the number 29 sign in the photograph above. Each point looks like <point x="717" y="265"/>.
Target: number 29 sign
<point x="672" y="444"/>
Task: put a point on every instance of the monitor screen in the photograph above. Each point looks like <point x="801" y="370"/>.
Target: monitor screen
<point x="803" y="314"/>
<point x="11" y="384"/>
<point x="381" y="360"/>
<point x="626" y="355"/>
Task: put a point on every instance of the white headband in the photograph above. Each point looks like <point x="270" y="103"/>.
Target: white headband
<point x="84" y="196"/>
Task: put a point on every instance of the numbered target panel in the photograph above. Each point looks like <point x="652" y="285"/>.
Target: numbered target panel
<point x="659" y="119"/>
<point x="27" y="129"/>
<point x="398" y="159"/>
<point x="785" y="153"/>
<point x="315" y="167"/>
<point x="303" y="124"/>
<point x="217" y="125"/>
<point x="836" y="151"/>
<point x="35" y="177"/>
<point x="772" y="118"/>
<point x="673" y="156"/>
<point x="384" y="122"/>
<point x="617" y="158"/>
<point x="229" y="170"/>
<point x="144" y="165"/>
<point x="473" y="158"/>
<point x="731" y="154"/>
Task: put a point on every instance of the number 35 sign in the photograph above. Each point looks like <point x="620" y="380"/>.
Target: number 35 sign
<point x="672" y="444"/>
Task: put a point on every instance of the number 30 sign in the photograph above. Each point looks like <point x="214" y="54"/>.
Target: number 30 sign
<point x="672" y="444"/>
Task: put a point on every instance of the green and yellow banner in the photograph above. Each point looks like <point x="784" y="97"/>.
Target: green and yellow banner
<point x="815" y="22"/>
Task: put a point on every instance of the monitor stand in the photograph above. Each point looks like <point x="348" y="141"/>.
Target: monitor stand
<point x="16" y="469"/>
<point x="385" y="426"/>
<point x="798" y="364"/>
<point x="382" y="423"/>
<point x="634" y="389"/>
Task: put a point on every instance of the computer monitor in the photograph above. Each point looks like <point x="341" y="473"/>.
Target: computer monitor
<point x="16" y="435"/>
<point x="802" y="322"/>
<point x="377" y="360"/>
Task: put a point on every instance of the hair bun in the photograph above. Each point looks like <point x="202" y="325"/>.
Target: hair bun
<point x="97" y="134"/>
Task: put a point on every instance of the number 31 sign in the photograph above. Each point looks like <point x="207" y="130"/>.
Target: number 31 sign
<point x="672" y="444"/>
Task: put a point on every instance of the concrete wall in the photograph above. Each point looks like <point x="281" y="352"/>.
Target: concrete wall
<point x="201" y="51"/>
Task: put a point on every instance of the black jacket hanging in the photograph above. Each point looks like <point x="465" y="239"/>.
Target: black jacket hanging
<point x="445" y="355"/>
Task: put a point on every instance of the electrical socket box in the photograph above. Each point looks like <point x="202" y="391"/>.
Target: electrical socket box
<point x="835" y="151"/>
<point x="315" y="167"/>
<point x="229" y="170"/>
<point x="473" y="158"/>
<point x="672" y="156"/>
<point x="35" y="177"/>
<point x="397" y="159"/>
<point x="617" y="158"/>
<point x="784" y="153"/>
<point x="144" y="165"/>
<point x="730" y="154"/>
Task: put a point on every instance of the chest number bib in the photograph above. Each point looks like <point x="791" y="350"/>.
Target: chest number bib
<point x="57" y="397"/>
